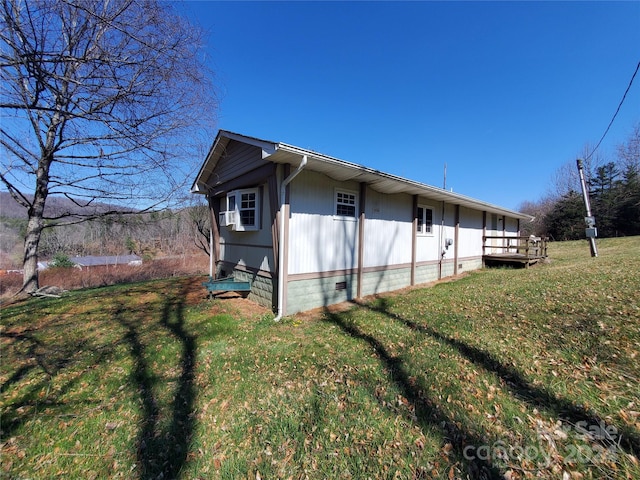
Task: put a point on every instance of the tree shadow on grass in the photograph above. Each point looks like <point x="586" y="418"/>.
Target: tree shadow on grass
<point x="427" y="412"/>
<point x="166" y="429"/>
<point x="537" y="397"/>
<point x="45" y="358"/>
<point x="163" y="446"/>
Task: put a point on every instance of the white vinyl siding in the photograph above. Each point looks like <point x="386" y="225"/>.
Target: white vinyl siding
<point x="317" y="242"/>
<point x="387" y="229"/>
<point x="470" y="233"/>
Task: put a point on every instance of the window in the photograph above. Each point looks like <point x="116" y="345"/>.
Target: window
<point x="248" y="202"/>
<point x="345" y="204"/>
<point x="244" y="206"/>
<point x="425" y="220"/>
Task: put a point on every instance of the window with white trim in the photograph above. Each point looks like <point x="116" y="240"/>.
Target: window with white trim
<point x="245" y="208"/>
<point x="425" y="220"/>
<point x="346" y="203"/>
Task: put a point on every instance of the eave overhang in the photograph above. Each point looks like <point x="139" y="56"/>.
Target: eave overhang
<point x="217" y="151"/>
<point x="342" y="171"/>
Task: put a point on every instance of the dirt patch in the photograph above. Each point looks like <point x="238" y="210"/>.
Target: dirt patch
<point x="224" y="302"/>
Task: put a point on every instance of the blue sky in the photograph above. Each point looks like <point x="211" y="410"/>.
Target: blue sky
<point x="504" y="93"/>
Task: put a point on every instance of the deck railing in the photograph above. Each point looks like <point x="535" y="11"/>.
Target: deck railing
<point x="529" y="247"/>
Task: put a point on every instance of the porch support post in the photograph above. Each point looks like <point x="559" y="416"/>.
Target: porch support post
<point x="456" y="237"/>
<point x="214" y="235"/>
<point x="484" y="234"/>
<point x="274" y="210"/>
<point x="504" y="227"/>
<point x="414" y="239"/>
<point x="363" y="199"/>
<point x="285" y="241"/>
<point x="274" y="207"/>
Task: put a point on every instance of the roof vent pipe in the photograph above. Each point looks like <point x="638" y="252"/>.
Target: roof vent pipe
<point x="283" y="191"/>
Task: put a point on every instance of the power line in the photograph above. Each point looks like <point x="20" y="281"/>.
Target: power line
<point x="615" y="114"/>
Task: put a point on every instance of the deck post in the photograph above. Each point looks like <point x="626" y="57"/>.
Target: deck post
<point x="484" y="235"/>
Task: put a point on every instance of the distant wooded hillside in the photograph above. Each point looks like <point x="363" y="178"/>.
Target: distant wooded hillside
<point x="150" y="235"/>
<point x="56" y="206"/>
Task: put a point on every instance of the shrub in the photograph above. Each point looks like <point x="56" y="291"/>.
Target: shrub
<point x="60" y="260"/>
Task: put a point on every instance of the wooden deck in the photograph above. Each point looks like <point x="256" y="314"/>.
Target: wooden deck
<point x="513" y="251"/>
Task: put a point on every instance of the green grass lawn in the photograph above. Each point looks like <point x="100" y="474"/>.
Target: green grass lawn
<point x="500" y="374"/>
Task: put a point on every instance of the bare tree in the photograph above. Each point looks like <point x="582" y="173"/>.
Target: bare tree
<point x="566" y="178"/>
<point x="100" y="99"/>
<point x="201" y="219"/>
<point x="629" y="151"/>
<point x="538" y="210"/>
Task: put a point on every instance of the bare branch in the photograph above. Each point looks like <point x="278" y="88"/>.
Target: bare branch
<point x="107" y="99"/>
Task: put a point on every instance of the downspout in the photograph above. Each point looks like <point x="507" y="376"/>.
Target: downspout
<point x="283" y="190"/>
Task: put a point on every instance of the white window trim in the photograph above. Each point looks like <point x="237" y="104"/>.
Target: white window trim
<point x="420" y="232"/>
<point x="345" y="218"/>
<point x="237" y="194"/>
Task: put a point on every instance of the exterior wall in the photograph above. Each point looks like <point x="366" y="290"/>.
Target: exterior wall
<point x="261" y="286"/>
<point x="311" y="291"/>
<point x="469" y="240"/>
<point x="388" y="229"/>
<point x="318" y="240"/>
<point x="470" y="234"/>
<point x="511" y="227"/>
<point x="393" y="277"/>
<point x="250" y="249"/>
<point x="323" y="248"/>
<point x="494" y="229"/>
<point x="427" y="272"/>
<point x="238" y="159"/>
<point x="307" y="292"/>
<point x="428" y="245"/>
<point x="248" y="256"/>
<point x="447" y="231"/>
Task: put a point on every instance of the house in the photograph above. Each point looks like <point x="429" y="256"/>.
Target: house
<point x="309" y="230"/>
<point x="112" y="260"/>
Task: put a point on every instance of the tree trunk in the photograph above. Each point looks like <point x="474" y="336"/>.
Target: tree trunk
<point x="35" y="225"/>
<point x="30" y="263"/>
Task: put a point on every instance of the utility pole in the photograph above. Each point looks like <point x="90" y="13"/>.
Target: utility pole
<point x="590" y="220"/>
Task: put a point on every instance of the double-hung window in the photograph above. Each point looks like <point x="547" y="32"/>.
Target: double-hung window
<point x="248" y="210"/>
<point x="244" y="209"/>
<point x="425" y="220"/>
<point x="346" y="203"/>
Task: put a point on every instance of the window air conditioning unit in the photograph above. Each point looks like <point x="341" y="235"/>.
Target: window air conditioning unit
<point x="228" y="219"/>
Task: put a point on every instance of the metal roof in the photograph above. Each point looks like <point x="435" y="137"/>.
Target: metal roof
<point x="93" y="261"/>
<point x="341" y="170"/>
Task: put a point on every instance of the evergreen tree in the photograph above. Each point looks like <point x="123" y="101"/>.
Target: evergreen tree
<point x="565" y="220"/>
<point x="604" y="196"/>
<point x="628" y="207"/>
